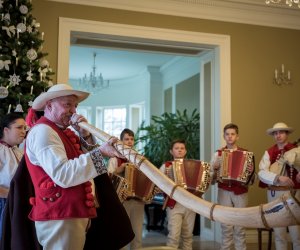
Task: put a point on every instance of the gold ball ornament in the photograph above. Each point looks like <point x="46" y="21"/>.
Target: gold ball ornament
<point x="3" y="92"/>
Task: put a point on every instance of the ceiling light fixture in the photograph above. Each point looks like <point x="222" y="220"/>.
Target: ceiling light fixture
<point x="288" y="2"/>
<point x="93" y="83"/>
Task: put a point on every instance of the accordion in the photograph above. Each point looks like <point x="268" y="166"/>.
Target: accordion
<point x="192" y="175"/>
<point x="120" y="185"/>
<point x="236" y="165"/>
<point x="139" y="185"/>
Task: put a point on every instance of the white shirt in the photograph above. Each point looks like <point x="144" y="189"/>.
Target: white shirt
<point x="112" y="165"/>
<point x="9" y="161"/>
<point x="264" y="174"/>
<point x="45" y="148"/>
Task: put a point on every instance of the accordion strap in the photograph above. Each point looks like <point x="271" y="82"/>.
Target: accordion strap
<point x="171" y="195"/>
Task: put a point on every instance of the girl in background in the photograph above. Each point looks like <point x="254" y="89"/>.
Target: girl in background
<point x="12" y="133"/>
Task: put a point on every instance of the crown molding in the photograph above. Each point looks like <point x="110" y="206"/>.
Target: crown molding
<point x="254" y="12"/>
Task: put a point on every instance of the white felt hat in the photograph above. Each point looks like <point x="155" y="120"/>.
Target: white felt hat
<point x="55" y="91"/>
<point x="280" y="126"/>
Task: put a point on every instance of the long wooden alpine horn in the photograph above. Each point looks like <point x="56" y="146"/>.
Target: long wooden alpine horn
<point x="282" y="212"/>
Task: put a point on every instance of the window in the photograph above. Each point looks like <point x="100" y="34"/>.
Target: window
<point x="86" y="112"/>
<point x="111" y="119"/>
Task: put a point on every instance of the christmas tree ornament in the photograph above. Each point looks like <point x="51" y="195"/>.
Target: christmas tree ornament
<point x="31" y="90"/>
<point x="43" y="73"/>
<point x="7" y="17"/>
<point x="30" y="103"/>
<point x="23" y="9"/>
<point x="50" y="83"/>
<point x="21" y="27"/>
<point x="44" y="63"/>
<point x="35" y="24"/>
<point x="3" y="92"/>
<point x="14" y="80"/>
<point x="14" y="53"/>
<point x="31" y="54"/>
<point x="29" y="75"/>
<point x="19" y="108"/>
<point x="5" y="64"/>
<point x="9" y="108"/>
<point x="9" y="30"/>
<point x="29" y="29"/>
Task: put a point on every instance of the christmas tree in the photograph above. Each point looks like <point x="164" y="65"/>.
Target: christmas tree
<point x="24" y="71"/>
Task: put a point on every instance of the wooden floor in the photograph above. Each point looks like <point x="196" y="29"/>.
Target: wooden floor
<point x="157" y="239"/>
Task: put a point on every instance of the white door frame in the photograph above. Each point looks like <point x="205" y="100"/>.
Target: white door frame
<point x="221" y="92"/>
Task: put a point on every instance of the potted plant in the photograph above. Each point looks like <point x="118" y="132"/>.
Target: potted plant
<point x="156" y="138"/>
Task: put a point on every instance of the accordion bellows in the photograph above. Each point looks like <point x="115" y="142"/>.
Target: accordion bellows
<point x="139" y="185"/>
<point x="120" y="185"/>
<point x="192" y="175"/>
<point x="236" y="165"/>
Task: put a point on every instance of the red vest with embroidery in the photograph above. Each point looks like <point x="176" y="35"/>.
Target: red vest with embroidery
<point x="274" y="154"/>
<point x="170" y="202"/>
<point x="234" y="186"/>
<point x="52" y="202"/>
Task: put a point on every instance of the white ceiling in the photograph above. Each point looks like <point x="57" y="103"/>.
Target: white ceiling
<point x="113" y="63"/>
<point x="120" y="58"/>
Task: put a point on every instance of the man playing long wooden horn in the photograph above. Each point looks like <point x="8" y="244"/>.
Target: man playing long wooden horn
<point x="62" y="171"/>
<point x="279" y="178"/>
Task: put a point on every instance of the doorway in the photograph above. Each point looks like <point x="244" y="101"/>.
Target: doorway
<point x="215" y="83"/>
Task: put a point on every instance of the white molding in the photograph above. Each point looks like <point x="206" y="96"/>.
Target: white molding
<point x="179" y="70"/>
<point x="238" y="11"/>
<point x="220" y="44"/>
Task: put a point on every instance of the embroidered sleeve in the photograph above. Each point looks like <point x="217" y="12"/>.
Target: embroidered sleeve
<point x="98" y="161"/>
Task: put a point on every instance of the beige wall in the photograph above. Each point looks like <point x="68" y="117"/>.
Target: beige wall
<point x="255" y="52"/>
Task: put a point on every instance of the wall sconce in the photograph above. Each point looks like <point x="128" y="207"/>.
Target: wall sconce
<point x="282" y="78"/>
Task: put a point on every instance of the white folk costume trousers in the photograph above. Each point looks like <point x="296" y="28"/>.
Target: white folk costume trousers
<point x="181" y="221"/>
<point x="281" y="239"/>
<point x="232" y="234"/>
<point x="135" y="211"/>
<point x="66" y="234"/>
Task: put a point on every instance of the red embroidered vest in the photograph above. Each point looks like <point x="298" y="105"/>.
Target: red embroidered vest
<point x="170" y="202"/>
<point x="275" y="153"/>
<point x="52" y="202"/>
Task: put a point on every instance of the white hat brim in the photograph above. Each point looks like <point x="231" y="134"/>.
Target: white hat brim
<point x="270" y="131"/>
<point x="39" y="103"/>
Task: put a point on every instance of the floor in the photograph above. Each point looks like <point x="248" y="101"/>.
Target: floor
<point x="156" y="239"/>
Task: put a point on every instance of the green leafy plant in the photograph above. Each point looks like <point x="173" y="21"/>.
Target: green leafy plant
<point x="157" y="136"/>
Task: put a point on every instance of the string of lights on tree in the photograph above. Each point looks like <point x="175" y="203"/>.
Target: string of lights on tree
<point x="24" y="71"/>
